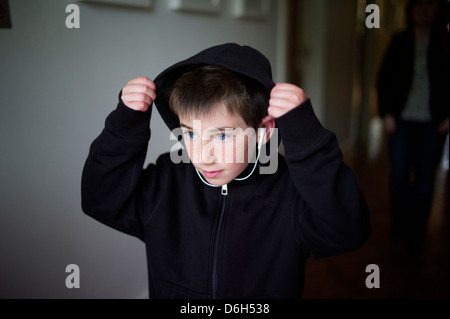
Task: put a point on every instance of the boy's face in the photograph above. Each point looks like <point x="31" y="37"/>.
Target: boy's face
<point x="218" y="145"/>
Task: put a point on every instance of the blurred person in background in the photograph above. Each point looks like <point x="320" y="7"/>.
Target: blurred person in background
<point x="413" y="97"/>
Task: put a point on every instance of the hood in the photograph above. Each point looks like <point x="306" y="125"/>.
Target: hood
<point x="241" y="59"/>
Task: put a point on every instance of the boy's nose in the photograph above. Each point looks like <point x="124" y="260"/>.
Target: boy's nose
<point x="208" y="155"/>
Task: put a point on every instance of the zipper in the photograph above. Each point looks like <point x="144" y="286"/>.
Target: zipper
<point x="216" y="244"/>
<point x="225" y="190"/>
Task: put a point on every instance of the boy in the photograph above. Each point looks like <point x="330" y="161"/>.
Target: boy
<point x="217" y="227"/>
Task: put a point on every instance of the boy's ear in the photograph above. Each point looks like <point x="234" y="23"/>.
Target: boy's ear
<point x="269" y="124"/>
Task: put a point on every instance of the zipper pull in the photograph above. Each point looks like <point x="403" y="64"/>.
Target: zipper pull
<point x="225" y="190"/>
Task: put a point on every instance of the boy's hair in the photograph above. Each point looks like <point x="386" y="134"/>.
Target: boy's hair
<point x="202" y="88"/>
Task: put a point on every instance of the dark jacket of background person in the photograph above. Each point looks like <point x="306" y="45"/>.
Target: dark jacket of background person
<point x="396" y="74"/>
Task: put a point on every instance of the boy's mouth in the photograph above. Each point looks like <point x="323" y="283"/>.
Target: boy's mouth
<point x="212" y="174"/>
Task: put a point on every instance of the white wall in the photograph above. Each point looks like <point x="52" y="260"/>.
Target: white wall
<point x="57" y="86"/>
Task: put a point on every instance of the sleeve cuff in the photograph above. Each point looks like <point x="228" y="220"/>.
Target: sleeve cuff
<point x="127" y="121"/>
<point x="300" y="128"/>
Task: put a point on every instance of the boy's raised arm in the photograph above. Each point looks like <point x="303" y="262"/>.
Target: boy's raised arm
<point x="115" y="162"/>
<point x="335" y="219"/>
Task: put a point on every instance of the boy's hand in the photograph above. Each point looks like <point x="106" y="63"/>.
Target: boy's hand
<point x="139" y="94"/>
<point x="285" y="97"/>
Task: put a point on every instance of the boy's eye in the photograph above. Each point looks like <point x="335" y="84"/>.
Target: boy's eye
<point x="222" y="137"/>
<point x="190" y="135"/>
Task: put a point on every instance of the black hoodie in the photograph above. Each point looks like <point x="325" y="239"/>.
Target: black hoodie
<point x="251" y="243"/>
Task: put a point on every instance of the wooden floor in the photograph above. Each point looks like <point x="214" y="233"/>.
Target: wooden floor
<point x="402" y="275"/>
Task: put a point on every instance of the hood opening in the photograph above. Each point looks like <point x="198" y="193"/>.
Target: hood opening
<point x="240" y="59"/>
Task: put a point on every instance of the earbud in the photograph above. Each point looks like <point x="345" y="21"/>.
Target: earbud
<point x="261" y="133"/>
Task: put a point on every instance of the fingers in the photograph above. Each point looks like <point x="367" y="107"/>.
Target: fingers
<point x="139" y="94"/>
<point x="143" y="80"/>
<point x="276" y="112"/>
<point x="285" y="97"/>
<point x="287" y="94"/>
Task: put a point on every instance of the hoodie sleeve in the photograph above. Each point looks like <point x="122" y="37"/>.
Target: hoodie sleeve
<point x="335" y="218"/>
<point x="114" y="168"/>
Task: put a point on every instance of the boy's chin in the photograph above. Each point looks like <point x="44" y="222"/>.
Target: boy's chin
<point x="217" y="181"/>
<point x="218" y="178"/>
